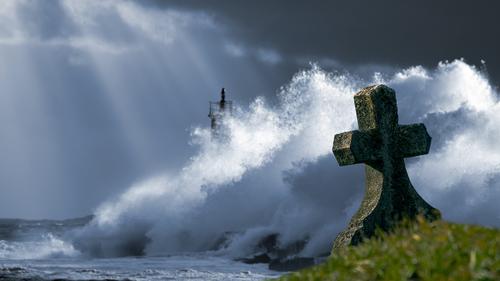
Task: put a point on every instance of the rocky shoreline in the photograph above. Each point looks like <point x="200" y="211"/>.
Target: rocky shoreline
<point x="281" y="258"/>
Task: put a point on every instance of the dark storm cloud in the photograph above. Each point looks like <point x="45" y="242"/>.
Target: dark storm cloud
<point x="400" y="33"/>
<point x="51" y="21"/>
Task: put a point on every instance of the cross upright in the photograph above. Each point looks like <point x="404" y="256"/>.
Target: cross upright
<point x="382" y="145"/>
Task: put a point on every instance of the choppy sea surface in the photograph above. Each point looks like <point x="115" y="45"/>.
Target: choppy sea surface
<point x="187" y="267"/>
<point x="37" y="250"/>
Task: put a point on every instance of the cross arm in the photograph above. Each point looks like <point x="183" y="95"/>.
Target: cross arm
<point x="413" y="140"/>
<point x="355" y="147"/>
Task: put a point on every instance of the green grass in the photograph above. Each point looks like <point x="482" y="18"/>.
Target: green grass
<point x="416" y="251"/>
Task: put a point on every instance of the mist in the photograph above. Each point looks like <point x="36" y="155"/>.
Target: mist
<point x="280" y="157"/>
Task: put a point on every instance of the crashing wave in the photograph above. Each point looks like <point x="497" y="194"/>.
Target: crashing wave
<point x="274" y="175"/>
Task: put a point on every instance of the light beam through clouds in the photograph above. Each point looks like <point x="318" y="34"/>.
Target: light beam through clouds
<point x="110" y="89"/>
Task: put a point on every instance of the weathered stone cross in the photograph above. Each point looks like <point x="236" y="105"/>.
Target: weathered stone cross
<point x="382" y="145"/>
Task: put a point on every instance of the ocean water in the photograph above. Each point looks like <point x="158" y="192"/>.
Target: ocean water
<point x="37" y="250"/>
<point x="181" y="267"/>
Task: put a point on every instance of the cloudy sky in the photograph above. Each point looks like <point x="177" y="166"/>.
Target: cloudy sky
<point x="98" y="95"/>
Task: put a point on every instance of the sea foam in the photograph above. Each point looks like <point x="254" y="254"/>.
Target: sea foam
<point x="263" y="178"/>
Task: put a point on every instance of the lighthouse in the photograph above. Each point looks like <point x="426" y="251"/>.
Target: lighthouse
<point x="218" y="110"/>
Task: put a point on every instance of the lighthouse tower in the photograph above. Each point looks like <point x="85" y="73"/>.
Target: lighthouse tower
<point x="218" y="110"/>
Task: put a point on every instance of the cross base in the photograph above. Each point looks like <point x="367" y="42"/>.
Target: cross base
<point x="388" y="199"/>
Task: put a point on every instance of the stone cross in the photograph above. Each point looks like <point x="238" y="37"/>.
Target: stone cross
<point x="382" y="145"/>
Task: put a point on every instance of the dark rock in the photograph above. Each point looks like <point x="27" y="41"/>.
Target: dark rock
<point x="291" y="264"/>
<point x="270" y="251"/>
<point x="291" y="249"/>
<point x="223" y="241"/>
<point x="269" y="243"/>
<point x="262" y="258"/>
